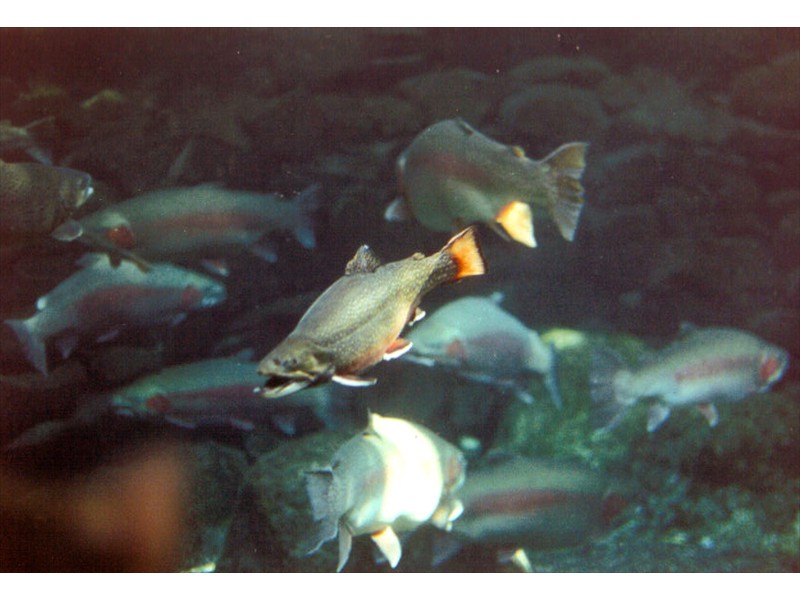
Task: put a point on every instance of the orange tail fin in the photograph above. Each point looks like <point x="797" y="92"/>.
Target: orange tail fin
<point x="463" y="249"/>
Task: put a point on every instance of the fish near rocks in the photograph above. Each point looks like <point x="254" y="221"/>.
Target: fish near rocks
<point x="201" y="223"/>
<point x="452" y="175"/>
<point x="394" y="476"/>
<point x="705" y="366"/>
<point x="475" y="338"/>
<point x="357" y="321"/>
<point x="35" y="199"/>
<point x="99" y="300"/>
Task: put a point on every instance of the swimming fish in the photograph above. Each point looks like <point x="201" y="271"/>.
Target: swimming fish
<point x="392" y="477"/>
<point x="514" y="502"/>
<point x="474" y="337"/>
<point x="202" y="222"/>
<point x="452" y="175"/>
<point x="704" y="366"/>
<point x="13" y="138"/>
<point x="216" y="391"/>
<point x="357" y="321"/>
<point x="35" y="199"/>
<point x="99" y="300"/>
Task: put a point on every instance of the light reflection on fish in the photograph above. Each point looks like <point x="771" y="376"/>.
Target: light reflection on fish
<point x="452" y="175"/>
<point x="99" y="300"/>
<point x="393" y="476"/>
<point x="35" y="199"/>
<point x="474" y="337"/>
<point x="357" y="321"/>
<point x="705" y="366"/>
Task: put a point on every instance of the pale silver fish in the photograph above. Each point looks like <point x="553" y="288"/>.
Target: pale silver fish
<point x="477" y="339"/>
<point x="357" y="321"/>
<point x="100" y="300"/>
<point x="703" y="367"/>
<point x="393" y="476"/>
<point x="452" y="175"/>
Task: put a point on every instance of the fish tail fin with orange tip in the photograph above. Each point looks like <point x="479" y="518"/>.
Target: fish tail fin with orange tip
<point x="566" y="164"/>
<point x="516" y="220"/>
<point x="464" y="252"/>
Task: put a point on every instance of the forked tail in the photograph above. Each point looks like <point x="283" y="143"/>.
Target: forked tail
<point x="566" y="164"/>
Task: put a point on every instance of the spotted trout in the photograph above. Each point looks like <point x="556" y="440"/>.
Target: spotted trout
<point x="452" y="175"/>
<point x="704" y="366"/>
<point x="358" y="320"/>
<point x="35" y="199"/>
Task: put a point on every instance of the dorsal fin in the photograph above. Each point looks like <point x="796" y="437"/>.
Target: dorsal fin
<point x="364" y="261"/>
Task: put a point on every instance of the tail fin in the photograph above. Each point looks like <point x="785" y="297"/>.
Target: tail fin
<point x="32" y="345"/>
<point x="567" y="163"/>
<point x="319" y="486"/>
<point x="607" y="409"/>
<point x="463" y="250"/>
<point x="306" y="202"/>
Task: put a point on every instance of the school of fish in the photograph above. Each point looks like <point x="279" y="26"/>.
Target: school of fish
<point x="395" y="475"/>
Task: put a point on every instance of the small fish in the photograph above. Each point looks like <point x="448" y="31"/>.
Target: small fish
<point x="35" y="199"/>
<point x="452" y="175"/>
<point x="13" y="138"/>
<point x="392" y="477"/>
<point x="476" y="338"/>
<point x="357" y="321"/>
<point x="198" y="223"/>
<point x="706" y="365"/>
<point x="100" y="300"/>
<point x="514" y="502"/>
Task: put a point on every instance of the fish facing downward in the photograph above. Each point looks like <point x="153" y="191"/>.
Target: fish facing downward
<point x="357" y="321"/>
<point x="36" y="199"/>
<point x="452" y="175"/>
<point x="393" y="476"/>
<point x="704" y="366"/>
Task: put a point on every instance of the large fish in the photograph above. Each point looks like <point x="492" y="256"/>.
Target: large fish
<point x="35" y="199"/>
<point x="205" y="222"/>
<point x="99" y="300"/>
<point x="357" y="321"/>
<point x="452" y="175"/>
<point x="393" y="476"/>
<point x="476" y="338"/>
<point x="705" y="366"/>
<point x="515" y="502"/>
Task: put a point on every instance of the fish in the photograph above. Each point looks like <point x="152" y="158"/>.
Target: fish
<point x="99" y="300"/>
<point x="35" y="199"/>
<point x="392" y="477"/>
<point x="14" y="138"/>
<point x="451" y="175"/>
<point x="215" y="391"/>
<point x="357" y="321"/>
<point x="704" y="366"/>
<point x="475" y="338"/>
<point x="513" y="502"/>
<point x="196" y="223"/>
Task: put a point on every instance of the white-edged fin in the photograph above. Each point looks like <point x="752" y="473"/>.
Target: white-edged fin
<point x="353" y="381"/>
<point x="657" y="415"/>
<point x="421" y="360"/>
<point x="399" y="347"/>
<point x="397" y="211"/>
<point x="68" y="231"/>
<point x="345" y="544"/>
<point x="418" y="315"/>
<point x="709" y="411"/>
<point x="389" y="545"/>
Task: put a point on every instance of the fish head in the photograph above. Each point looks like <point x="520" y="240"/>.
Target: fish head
<point x="293" y="365"/>
<point x="76" y="188"/>
<point x="772" y="366"/>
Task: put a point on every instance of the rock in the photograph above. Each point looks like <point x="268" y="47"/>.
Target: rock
<point x="582" y="71"/>
<point x="770" y="93"/>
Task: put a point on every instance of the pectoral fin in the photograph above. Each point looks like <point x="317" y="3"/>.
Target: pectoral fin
<point x="345" y="544"/>
<point x="353" y="380"/>
<point x="709" y="411"/>
<point x="389" y="545"/>
<point x="657" y="415"/>
<point x="397" y="348"/>
<point x="517" y="221"/>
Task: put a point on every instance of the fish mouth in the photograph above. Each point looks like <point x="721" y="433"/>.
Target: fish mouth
<point x="278" y="386"/>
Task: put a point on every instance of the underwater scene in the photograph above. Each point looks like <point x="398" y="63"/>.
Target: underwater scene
<point x="400" y="300"/>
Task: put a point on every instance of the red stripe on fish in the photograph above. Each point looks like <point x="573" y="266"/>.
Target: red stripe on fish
<point x="214" y="221"/>
<point x="448" y="165"/>
<point x="712" y="367"/>
<point x="522" y="502"/>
